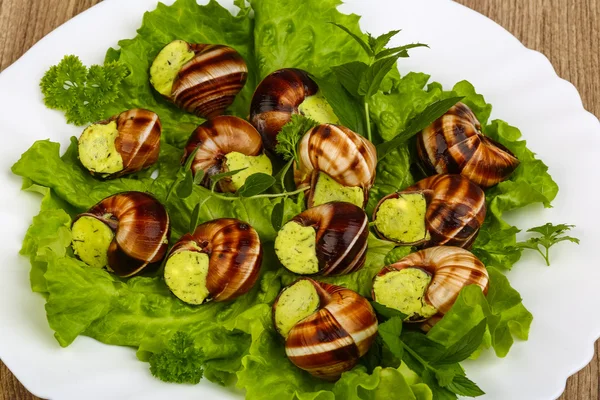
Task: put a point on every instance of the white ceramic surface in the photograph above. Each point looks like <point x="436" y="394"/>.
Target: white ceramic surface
<point x="520" y="83"/>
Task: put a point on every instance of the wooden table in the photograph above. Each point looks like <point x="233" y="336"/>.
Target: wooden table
<point x="566" y="31"/>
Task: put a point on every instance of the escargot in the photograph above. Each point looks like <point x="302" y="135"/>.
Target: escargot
<point x="426" y="283"/>
<point x="283" y="93"/>
<point x="454" y="144"/>
<point x="330" y="239"/>
<point x="127" y="232"/>
<point x="327" y="328"/>
<point x="338" y="164"/>
<point x="227" y="143"/>
<point x="120" y="145"/>
<point x="219" y="261"/>
<point x="439" y="210"/>
<point x="202" y="79"/>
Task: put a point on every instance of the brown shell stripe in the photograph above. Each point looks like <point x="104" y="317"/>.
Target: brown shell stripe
<point x="208" y="83"/>
<point x="139" y="138"/>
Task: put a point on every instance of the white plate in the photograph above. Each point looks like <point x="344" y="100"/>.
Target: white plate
<point x="520" y="83"/>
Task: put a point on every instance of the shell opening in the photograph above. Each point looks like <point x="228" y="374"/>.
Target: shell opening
<point x="327" y="189"/>
<point x="295" y="246"/>
<point x="167" y="65"/>
<point x="405" y="290"/>
<point x="91" y="239"/>
<point x="185" y="275"/>
<point x="295" y="303"/>
<point x="317" y="108"/>
<point x="402" y="219"/>
<point x="97" y="149"/>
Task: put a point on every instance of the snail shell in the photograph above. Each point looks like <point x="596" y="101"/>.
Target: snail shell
<point x="234" y="252"/>
<point x="451" y="269"/>
<point x="216" y="138"/>
<point x="454" y="144"/>
<point x="276" y="98"/>
<point x="137" y="141"/>
<point x="208" y="83"/>
<point x="455" y="209"/>
<point x="141" y="229"/>
<point x="337" y="151"/>
<point x="332" y="339"/>
<point x="341" y="233"/>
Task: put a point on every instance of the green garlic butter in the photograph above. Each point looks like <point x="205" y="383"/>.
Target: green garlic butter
<point x="295" y="247"/>
<point x="97" y="150"/>
<point x="317" y="108"/>
<point x="404" y="291"/>
<point x="167" y="64"/>
<point x="91" y="239"/>
<point x="253" y="165"/>
<point x="294" y="304"/>
<point x="327" y="189"/>
<point x="403" y="219"/>
<point x="185" y="275"/>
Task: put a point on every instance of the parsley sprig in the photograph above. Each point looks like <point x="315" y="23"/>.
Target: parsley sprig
<point x="179" y="362"/>
<point x="550" y="235"/>
<point x="81" y="92"/>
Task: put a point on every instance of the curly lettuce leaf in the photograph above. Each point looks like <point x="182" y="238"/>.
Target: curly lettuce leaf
<point x="299" y="35"/>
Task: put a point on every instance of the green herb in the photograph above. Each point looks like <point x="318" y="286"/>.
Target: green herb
<point x="277" y="215"/>
<point x="198" y="177"/>
<point x="180" y="362"/>
<point x="82" y="92"/>
<point x="186" y="186"/>
<point x="184" y="181"/>
<point x="417" y="124"/>
<point x="217" y="177"/>
<point x="290" y="135"/>
<point x="550" y="235"/>
<point x="256" y="184"/>
<point x="386" y="312"/>
<point x="364" y="80"/>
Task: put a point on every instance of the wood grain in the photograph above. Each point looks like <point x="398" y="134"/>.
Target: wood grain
<point x="566" y="31"/>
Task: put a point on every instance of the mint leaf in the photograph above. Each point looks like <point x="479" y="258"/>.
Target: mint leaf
<point x="186" y="186"/>
<point x="387" y="312"/>
<point x="350" y="75"/>
<point x="433" y="111"/>
<point x="217" y="177"/>
<point x="377" y="44"/>
<point x="194" y="217"/>
<point x="464" y="347"/>
<point x="277" y="215"/>
<point x="390" y="333"/>
<point x="373" y="76"/>
<point x="400" y="51"/>
<point x="256" y="184"/>
<point x="463" y="386"/>
<point x="198" y="177"/>
<point x="358" y="39"/>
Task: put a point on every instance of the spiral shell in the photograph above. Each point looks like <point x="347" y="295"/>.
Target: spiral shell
<point x="137" y="141"/>
<point x="451" y="269"/>
<point x="331" y="340"/>
<point x="454" y="144"/>
<point x="208" y="83"/>
<point x="215" y="139"/>
<point x="335" y="150"/>
<point x="235" y="256"/>
<point x="455" y="209"/>
<point x="342" y="230"/>
<point x="141" y="226"/>
<point x="276" y="98"/>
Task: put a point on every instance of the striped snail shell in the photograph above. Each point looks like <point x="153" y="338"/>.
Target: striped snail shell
<point x="455" y="210"/>
<point x="123" y="144"/>
<point x="128" y="232"/>
<point x="454" y="144"/>
<point x="346" y="157"/>
<point x="439" y="273"/>
<point x="219" y="261"/>
<point x="330" y="239"/>
<point x="327" y="337"/>
<point x="206" y="83"/>
<point x="215" y="139"/>
<point x="276" y="98"/>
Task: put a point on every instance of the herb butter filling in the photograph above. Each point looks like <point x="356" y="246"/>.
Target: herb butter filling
<point x="185" y="275"/>
<point x="295" y="246"/>
<point x="317" y="108"/>
<point x="403" y="219"/>
<point x="97" y="149"/>
<point x="167" y="65"/>
<point x="328" y="189"/>
<point x="90" y="241"/>
<point x="252" y="165"/>
<point x="295" y="303"/>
